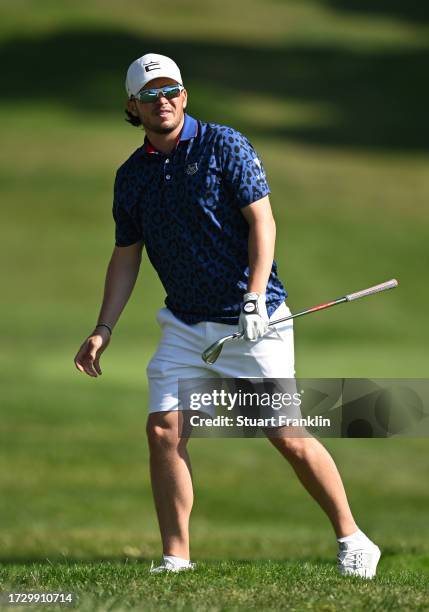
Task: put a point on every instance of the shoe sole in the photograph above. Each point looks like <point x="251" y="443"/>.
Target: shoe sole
<point x="166" y="570"/>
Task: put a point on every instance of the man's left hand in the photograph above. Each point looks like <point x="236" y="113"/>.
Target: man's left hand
<point x="253" y="320"/>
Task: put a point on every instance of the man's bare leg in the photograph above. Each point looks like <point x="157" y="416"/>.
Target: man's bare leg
<point x="318" y="473"/>
<point x="171" y="477"/>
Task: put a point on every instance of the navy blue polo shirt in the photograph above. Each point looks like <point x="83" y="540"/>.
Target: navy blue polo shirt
<point x="186" y="208"/>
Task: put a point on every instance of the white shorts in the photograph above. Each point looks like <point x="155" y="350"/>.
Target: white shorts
<point x="179" y="356"/>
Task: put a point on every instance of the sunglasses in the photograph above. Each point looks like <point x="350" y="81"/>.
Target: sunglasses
<point x="152" y="95"/>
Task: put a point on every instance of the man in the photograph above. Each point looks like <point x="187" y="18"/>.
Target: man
<point x="196" y="196"/>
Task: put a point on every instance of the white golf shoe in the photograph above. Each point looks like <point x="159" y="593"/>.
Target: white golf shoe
<point x="168" y="566"/>
<point x="358" y="557"/>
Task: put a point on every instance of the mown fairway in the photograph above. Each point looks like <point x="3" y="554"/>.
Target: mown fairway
<point x="333" y="95"/>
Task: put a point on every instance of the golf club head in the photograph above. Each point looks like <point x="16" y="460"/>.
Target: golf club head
<point x="211" y="353"/>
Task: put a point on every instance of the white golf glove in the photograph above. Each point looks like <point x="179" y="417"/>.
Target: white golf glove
<point x="253" y="320"/>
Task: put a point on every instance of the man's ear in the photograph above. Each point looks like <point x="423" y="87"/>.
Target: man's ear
<point x="185" y="98"/>
<point x="131" y="107"/>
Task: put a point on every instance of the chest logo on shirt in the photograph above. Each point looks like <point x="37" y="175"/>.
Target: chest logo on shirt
<point x="191" y="168"/>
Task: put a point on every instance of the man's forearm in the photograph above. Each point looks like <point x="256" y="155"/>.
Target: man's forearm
<point x="262" y="236"/>
<point x="121" y="277"/>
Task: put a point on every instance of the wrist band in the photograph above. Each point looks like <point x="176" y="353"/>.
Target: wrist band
<point x="104" y="325"/>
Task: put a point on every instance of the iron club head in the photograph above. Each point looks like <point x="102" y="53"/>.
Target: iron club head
<point x="212" y="352"/>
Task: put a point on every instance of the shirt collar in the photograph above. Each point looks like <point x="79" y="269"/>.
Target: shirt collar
<point x="149" y="148"/>
<point x="188" y="131"/>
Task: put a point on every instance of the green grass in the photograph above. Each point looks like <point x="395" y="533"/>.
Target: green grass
<point x="340" y="120"/>
<point x="77" y="512"/>
<point x="234" y="585"/>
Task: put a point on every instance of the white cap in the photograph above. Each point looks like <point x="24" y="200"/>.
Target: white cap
<point x="149" y="67"/>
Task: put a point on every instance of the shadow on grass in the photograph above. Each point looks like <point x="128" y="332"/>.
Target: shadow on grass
<point x="411" y="10"/>
<point x="366" y="98"/>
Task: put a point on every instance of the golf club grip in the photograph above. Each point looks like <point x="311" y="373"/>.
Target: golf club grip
<point x="391" y="284"/>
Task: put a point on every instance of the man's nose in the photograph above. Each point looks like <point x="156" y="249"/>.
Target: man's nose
<point x="161" y="97"/>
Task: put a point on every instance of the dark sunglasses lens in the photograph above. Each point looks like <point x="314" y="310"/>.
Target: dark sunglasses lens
<point x="152" y="95"/>
<point x="171" y="92"/>
<point x="147" y="96"/>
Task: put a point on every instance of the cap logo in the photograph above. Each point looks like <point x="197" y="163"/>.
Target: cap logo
<point x="151" y="66"/>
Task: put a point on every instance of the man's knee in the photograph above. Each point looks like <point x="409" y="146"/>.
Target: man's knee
<point x="163" y="431"/>
<point x="294" y="447"/>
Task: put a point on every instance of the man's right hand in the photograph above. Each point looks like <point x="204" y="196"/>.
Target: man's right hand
<point x="88" y="357"/>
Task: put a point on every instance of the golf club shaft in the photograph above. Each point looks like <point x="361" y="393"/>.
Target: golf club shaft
<point x="298" y="314"/>
<point x="347" y="298"/>
<point x="308" y="310"/>
<point x="212" y="352"/>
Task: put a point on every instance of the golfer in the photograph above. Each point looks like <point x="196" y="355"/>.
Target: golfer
<point x="195" y="195"/>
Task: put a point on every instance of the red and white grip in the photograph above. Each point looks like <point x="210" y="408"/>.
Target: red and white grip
<point x="390" y="284"/>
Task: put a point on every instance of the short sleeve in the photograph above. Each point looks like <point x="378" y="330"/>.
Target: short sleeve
<point x="127" y="230"/>
<point x="242" y="169"/>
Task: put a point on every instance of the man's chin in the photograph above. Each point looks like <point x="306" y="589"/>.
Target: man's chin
<point x="165" y="127"/>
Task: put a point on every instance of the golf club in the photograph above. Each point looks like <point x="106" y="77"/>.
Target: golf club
<point x="211" y="354"/>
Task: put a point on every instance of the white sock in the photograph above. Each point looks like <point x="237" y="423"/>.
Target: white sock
<point x="353" y="536"/>
<point x="176" y="561"/>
